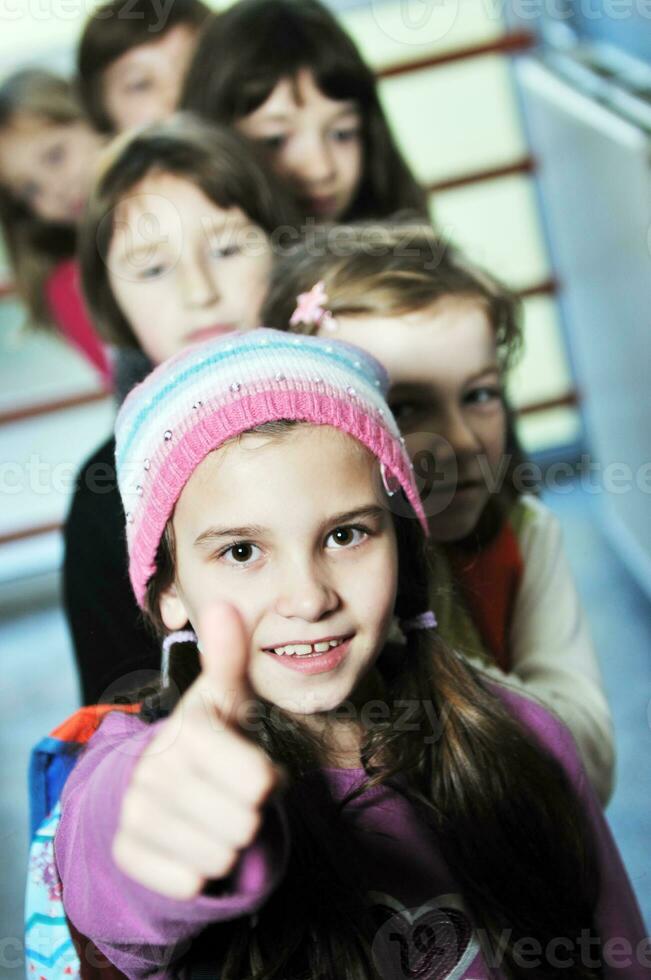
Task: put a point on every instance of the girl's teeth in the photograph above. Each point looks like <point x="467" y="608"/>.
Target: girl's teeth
<point x="306" y="649"/>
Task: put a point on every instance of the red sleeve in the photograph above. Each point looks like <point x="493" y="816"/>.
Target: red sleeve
<point x="66" y="304"/>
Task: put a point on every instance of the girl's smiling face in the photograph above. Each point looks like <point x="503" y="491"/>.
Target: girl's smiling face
<point x="447" y="399"/>
<point x="313" y="141"/>
<point x="183" y="269"/>
<point x="292" y="530"/>
<point x="48" y="166"/>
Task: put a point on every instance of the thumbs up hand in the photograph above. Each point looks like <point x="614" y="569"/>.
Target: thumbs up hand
<point x="196" y="795"/>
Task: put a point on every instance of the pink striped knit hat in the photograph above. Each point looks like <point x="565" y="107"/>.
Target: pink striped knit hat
<point x="211" y="392"/>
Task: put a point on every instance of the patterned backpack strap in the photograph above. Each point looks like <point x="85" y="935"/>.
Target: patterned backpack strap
<point x="50" y="953"/>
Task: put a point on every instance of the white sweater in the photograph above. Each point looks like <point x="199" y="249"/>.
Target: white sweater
<point x="552" y="654"/>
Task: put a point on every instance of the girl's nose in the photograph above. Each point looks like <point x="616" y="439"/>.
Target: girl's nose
<point x="312" y="162"/>
<point x="54" y="198"/>
<point x="199" y="287"/>
<point x="305" y="594"/>
<point x="460" y="437"/>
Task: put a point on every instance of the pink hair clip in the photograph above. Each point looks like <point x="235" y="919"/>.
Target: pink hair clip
<point x="310" y="309"/>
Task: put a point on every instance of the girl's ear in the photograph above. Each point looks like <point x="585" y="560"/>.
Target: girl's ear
<point x="172" y="608"/>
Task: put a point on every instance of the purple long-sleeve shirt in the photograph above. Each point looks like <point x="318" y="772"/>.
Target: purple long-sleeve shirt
<point x="143" y="933"/>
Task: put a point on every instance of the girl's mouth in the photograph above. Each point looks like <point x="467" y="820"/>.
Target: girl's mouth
<point x="216" y="330"/>
<point x="323" y="206"/>
<point x="77" y="206"/>
<point x="312" y="658"/>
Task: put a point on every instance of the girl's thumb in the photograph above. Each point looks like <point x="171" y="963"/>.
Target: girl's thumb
<point x="224" y="650"/>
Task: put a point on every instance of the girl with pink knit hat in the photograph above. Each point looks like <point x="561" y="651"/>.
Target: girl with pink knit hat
<point x="302" y="797"/>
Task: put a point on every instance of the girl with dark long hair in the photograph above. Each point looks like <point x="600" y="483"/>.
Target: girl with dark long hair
<point x="288" y="76"/>
<point x="131" y="60"/>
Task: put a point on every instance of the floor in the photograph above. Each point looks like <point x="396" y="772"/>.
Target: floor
<point x="620" y="619"/>
<point x="39" y="689"/>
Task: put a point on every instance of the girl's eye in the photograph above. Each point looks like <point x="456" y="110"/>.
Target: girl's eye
<point x="223" y="251"/>
<point x="347" y="537"/>
<point x="152" y="272"/>
<point x="273" y="142"/>
<point x="140" y="86"/>
<point x="403" y="411"/>
<point x="55" y="154"/>
<point x="241" y="553"/>
<point x="346" y="135"/>
<point x="484" y="395"/>
<point x="409" y="414"/>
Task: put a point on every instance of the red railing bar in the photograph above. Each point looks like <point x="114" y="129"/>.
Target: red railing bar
<point x="29" y="532"/>
<point x="511" y="43"/>
<point x="549" y="287"/>
<point x="525" y="166"/>
<point x="569" y="400"/>
<point x="57" y="405"/>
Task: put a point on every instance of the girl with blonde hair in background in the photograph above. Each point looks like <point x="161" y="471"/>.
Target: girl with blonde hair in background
<point x="47" y="154"/>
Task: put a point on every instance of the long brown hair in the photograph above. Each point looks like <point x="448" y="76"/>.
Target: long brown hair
<point x="218" y="161"/>
<point x="35" y="247"/>
<point x="394" y="267"/>
<point x="502" y="810"/>
<point x="112" y="30"/>
<point x="244" y="53"/>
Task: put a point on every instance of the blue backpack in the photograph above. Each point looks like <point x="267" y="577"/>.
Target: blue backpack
<point x="50" y="951"/>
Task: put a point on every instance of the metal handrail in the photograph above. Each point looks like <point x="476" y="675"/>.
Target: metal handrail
<point x="514" y="42"/>
<point x="55" y="405"/>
